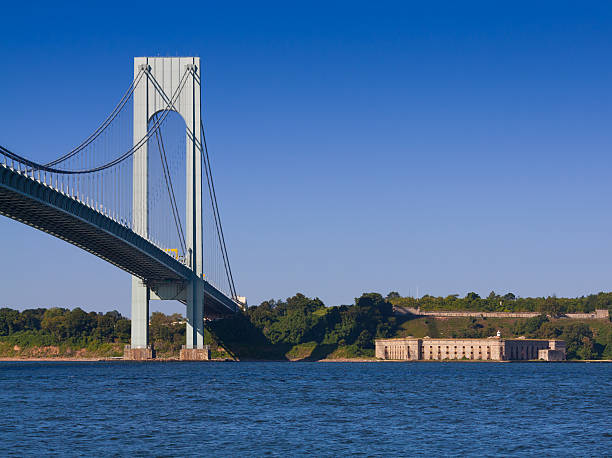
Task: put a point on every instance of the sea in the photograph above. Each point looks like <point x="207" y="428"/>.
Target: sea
<point x="229" y="409"/>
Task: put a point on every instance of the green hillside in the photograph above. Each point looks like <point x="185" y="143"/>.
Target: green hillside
<point x="298" y="328"/>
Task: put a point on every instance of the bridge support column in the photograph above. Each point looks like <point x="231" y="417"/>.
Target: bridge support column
<point x="140" y="224"/>
<point x="195" y="316"/>
<point x="194" y="349"/>
<point x="200" y="319"/>
<point x="139" y="348"/>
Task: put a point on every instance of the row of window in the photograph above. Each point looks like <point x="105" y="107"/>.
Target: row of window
<point x="529" y="352"/>
<point x="513" y="352"/>
<point x="462" y="349"/>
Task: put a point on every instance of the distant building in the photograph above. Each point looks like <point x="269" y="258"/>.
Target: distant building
<point x="489" y="349"/>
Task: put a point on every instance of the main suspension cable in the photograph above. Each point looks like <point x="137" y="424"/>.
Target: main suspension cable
<point x="102" y="126"/>
<point x="124" y="156"/>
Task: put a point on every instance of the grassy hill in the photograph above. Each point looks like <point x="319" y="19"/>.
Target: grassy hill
<point x="585" y="339"/>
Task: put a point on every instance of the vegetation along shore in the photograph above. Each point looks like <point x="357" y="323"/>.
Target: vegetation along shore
<point x="304" y="329"/>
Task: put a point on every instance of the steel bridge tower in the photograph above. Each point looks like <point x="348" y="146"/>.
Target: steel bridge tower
<point x="161" y="80"/>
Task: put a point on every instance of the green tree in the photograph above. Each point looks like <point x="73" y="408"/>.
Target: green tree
<point x="553" y="306"/>
<point x="365" y="340"/>
<point x="529" y="326"/>
<point x="54" y="323"/>
<point x="374" y="301"/>
<point x="29" y="320"/>
<point x="8" y="321"/>
<point x="105" y="327"/>
<point x="123" y="329"/>
<point x="587" y="349"/>
<point x="78" y="323"/>
<point x="574" y="335"/>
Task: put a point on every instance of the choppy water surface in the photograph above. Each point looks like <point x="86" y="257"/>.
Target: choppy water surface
<point x="322" y="409"/>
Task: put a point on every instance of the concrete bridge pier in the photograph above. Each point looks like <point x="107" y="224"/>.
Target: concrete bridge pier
<point x="194" y="349"/>
<point x="139" y="348"/>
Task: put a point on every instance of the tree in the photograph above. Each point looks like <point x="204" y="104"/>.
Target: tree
<point x="123" y="329"/>
<point x="303" y="303"/>
<point x="587" y="349"/>
<point x="553" y="306"/>
<point x="8" y="320"/>
<point x="384" y="330"/>
<point x="365" y="340"/>
<point x="30" y="319"/>
<point x="529" y="325"/>
<point x="54" y="322"/>
<point x="574" y="335"/>
<point x="114" y="314"/>
<point x="79" y="324"/>
<point x="393" y="295"/>
<point x="374" y="300"/>
<point x="105" y="329"/>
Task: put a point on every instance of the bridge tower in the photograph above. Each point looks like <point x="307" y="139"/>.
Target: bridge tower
<point x="162" y="78"/>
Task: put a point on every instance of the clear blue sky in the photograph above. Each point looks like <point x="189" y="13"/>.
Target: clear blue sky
<point x="358" y="146"/>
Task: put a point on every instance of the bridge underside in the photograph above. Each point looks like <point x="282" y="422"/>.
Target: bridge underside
<point x="42" y="207"/>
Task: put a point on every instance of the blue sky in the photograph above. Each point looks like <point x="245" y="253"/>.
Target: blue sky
<point x="357" y="146"/>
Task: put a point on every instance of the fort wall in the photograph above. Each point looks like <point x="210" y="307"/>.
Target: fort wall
<point x="551" y="355"/>
<point x="599" y="314"/>
<point x="489" y="349"/>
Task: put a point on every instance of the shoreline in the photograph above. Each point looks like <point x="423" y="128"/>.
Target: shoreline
<point x="331" y="360"/>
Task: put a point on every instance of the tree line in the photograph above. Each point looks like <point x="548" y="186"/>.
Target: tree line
<point x="272" y="328"/>
<point x="508" y="302"/>
<point x="300" y="319"/>
<point x="77" y="328"/>
<point x="54" y="325"/>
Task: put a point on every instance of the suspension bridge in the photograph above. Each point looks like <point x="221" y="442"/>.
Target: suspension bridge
<point x="117" y="196"/>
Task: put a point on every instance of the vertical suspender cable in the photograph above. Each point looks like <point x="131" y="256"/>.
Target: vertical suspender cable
<point x="213" y="194"/>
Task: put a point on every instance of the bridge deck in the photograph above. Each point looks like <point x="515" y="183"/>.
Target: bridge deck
<point x="38" y="205"/>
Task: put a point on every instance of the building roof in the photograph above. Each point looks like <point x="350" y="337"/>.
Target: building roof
<point x="494" y="338"/>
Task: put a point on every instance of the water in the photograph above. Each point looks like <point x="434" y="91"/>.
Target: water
<point x="321" y="409"/>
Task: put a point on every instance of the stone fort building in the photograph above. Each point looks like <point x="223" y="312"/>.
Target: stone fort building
<point x="489" y="349"/>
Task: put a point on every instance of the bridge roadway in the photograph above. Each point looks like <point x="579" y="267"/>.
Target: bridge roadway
<point x="41" y="206"/>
